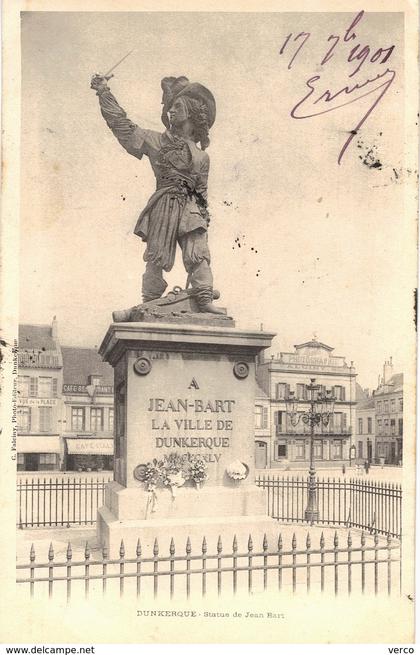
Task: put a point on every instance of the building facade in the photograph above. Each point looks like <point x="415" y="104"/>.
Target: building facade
<point x="389" y="405"/>
<point x="39" y="404"/>
<point x="88" y="396"/>
<point x="65" y="407"/>
<point x="364" y="440"/>
<point x="289" y="447"/>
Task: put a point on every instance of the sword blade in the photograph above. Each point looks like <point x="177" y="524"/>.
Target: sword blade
<point x="118" y="63"/>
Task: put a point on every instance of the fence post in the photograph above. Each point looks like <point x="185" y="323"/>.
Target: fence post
<point x="204" y="564"/>
<point x="171" y="567"/>
<point x="250" y="548"/>
<point x="335" y="563"/>
<point x="219" y="565"/>
<point x="280" y="569"/>
<point x="155" y="567"/>
<point x="50" y="570"/>
<point x="265" y="549"/>
<point x="388" y="553"/>
<point x="349" y="553"/>
<point x="32" y="570"/>
<point x="294" y="561"/>
<point x="104" y="567"/>
<point x="87" y="556"/>
<point x="234" y="563"/>
<point x="322" y="547"/>
<point x="188" y="562"/>
<point x="122" y="554"/>
<point x="308" y="563"/>
<point x="375" y="541"/>
<point x="362" y="556"/>
<point x="138" y="568"/>
<point x="69" y="556"/>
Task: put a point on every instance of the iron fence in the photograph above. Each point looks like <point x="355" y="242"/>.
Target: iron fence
<point x="60" y="502"/>
<point x="371" y="566"/>
<point x="369" y="505"/>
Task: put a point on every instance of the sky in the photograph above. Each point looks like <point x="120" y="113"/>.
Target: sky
<point x="299" y="244"/>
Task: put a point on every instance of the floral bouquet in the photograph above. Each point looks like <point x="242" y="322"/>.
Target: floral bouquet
<point x="237" y="470"/>
<point x="152" y="477"/>
<point x="198" y="470"/>
<point x="176" y="472"/>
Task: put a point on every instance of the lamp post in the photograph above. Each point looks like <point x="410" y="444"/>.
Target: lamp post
<point x="320" y="412"/>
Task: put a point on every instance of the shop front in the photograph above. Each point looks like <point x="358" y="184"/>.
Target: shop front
<point x="89" y="454"/>
<point x="38" y="453"/>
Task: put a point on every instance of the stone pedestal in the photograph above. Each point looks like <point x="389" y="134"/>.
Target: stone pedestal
<point x="186" y="389"/>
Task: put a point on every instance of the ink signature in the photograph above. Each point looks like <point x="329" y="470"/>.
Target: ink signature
<point x="319" y="100"/>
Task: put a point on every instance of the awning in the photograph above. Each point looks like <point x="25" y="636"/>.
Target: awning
<point x="90" y="446"/>
<point x="38" y="444"/>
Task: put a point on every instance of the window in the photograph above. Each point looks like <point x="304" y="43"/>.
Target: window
<point x="379" y="426"/>
<point x="400" y="427"/>
<point x="379" y="405"/>
<point x="45" y="419"/>
<point x="300" y="449"/>
<point x="393" y="405"/>
<point x="339" y="392"/>
<point x="369" y="425"/>
<point x="301" y="392"/>
<point x="78" y="419"/>
<point x="386" y="426"/>
<point x="23" y="386"/>
<point x="45" y="387"/>
<point x="96" y="419"/>
<point x="393" y="426"/>
<point x="111" y="420"/>
<point x="400" y="400"/>
<point x="337" y="450"/>
<point x="47" y="461"/>
<point x="24" y="419"/>
<point x="360" y="424"/>
<point x="280" y="422"/>
<point x="261" y="417"/>
<point x="317" y="449"/>
<point x="20" y="462"/>
<point x="386" y="406"/>
<point x="281" y="390"/>
<point x="281" y="450"/>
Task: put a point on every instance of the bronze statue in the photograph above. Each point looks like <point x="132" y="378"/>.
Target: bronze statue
<point x="177" y="211"/>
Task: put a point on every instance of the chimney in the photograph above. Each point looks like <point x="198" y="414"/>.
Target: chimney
<point x="54" y="329"/>
<point x="388" y="369"/>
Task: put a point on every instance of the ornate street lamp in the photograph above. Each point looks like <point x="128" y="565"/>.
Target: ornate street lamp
<point x="320" y="412"/>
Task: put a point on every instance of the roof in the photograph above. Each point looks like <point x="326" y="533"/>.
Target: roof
<point x="79" y="363"/>
<point x="394" y="384"/>
<point x="36" y="337"/>
<point x="360" y="393"/>
<point x="314" y="344"/>
<point x="368" y="403"/>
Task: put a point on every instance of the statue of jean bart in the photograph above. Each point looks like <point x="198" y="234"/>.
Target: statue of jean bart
<point x="177" y="211"/>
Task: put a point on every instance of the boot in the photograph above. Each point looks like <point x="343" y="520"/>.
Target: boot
<point x="204" y="300"/>
<point x="153" y="283"/>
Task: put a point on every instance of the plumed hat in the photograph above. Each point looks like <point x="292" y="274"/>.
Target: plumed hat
<point x="176" y="87"/>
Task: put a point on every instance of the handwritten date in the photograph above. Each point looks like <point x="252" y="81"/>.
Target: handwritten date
<point x="320" y="100"/>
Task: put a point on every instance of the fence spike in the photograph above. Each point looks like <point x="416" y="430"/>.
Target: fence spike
<point x="156" y="548"/>
<point x="250" y="544"/>
<point x="294" y="541"/>
<point x="188" y="546"/>
<point x="32" y="554"/>
<point x="122" y="549"/>
<point x="308" y="541"/>
<point x="265" y="542"/>
<point x="51" y="552"/>
<point x="172" y="547"/>
<point x="280" y="542"/>
<point x="219" y="544"/>
<point x="87" y="551"/>
<point x="375" y="539"/>
<point x="335" y="539"/>
<point x="69" y="552"/>
<point x="349" y="540"/>
<point x="138" y="548"/>
<point x="204" y="546"/>
<point x="235" y="544"/>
